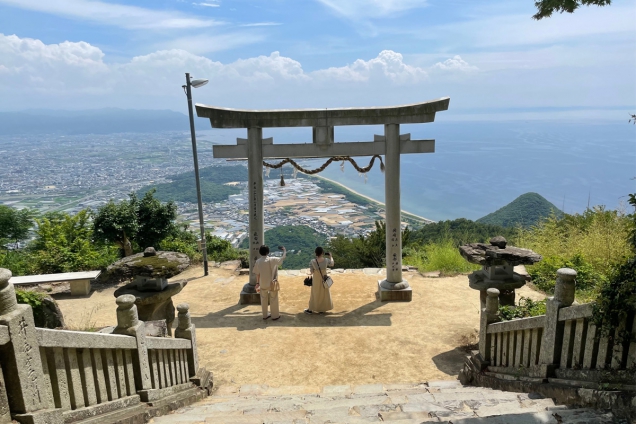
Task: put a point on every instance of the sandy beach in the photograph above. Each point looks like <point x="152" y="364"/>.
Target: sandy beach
<point x="373" y="200"/>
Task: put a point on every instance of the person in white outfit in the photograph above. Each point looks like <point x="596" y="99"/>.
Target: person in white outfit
<point x="320" y="297"/>
<point x="266" y="270"/>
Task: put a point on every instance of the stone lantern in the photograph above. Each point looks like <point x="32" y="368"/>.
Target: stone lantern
<point x="498" y="261"/>
<point x="153" y="294"/>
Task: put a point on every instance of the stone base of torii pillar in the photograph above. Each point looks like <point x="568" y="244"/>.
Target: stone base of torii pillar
<point x="394" y="291"/>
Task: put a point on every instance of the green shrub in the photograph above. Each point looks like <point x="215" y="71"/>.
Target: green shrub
<point x="65" y="243"/>
<point x="19" y="262"/>
<point x="183" y="241"/>
<point x="443" y="257"/>
<point x="588" y="278"/>
<point x="220" y="250"/>
<point x="600" y="237"/>
<point x="526" y="308"/>
<point x="34" y="299"/>
<point x="616" y="299"/>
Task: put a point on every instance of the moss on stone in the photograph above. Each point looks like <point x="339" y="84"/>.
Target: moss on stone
<point x="156" y="262"/>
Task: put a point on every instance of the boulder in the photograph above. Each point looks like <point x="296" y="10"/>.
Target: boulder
<point x="161" y="264"/>
<point x="51" y="314"/>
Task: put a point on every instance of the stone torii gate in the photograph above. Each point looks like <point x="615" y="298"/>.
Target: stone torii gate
<point x="323" y="121"/>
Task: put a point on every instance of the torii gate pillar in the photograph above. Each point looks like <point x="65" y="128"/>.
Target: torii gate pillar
<point x="255" y="190"/>
<point x="393" y="287"/>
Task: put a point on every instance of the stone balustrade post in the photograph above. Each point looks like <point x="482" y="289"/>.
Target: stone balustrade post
<point x="186" y="330"/>
<point x="128" y="324"/>
<point x="552" y="339"/>
<point x="488" y="316"/>
<point x="21" y="362"/>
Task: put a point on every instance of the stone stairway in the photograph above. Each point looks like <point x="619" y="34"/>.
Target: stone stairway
<point x="435" y="401"/>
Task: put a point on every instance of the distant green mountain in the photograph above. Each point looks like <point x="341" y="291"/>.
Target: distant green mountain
<point x="183" y="186"/>
<point x="300" y="238"/>
<point x="526" y="210"/>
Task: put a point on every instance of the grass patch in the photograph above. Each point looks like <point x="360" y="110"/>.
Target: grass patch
<point x="443" y="257"/>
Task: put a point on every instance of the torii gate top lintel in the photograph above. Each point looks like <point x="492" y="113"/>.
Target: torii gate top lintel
<point x="242" y="118"/>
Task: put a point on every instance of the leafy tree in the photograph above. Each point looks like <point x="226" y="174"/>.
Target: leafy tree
<point x="15" y="224"/>
<point x="117" y="223"/>
<point x="221" y="250"/>
<point x="364" y="251"/>
<point x="155" y="220"/>
<point x="146" y="222"/>
<point x="64" y="243"/>
<point x="547" y="7"/>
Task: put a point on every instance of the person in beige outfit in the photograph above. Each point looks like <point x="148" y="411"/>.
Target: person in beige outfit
<point x="320" y="298"/>
<point x="266" y="270"/>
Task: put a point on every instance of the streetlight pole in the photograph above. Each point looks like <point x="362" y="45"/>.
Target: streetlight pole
<point x="188" y="89"/>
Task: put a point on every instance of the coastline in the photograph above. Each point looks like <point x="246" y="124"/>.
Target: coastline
<point x="412" y="215"/>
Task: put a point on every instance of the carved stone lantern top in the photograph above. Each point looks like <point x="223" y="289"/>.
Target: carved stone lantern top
<point x="498" y="253"/>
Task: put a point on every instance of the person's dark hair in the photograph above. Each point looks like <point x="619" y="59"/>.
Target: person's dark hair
<point x="319" y="251"/>
<point x="263" y="250"/>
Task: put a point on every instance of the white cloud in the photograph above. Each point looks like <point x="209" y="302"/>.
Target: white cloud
<point x="52" y="67"/>
<point x="207" y="4"/>
<point x="389" y="65"/>
<point x="131" y="17"/>
<point x="79" y="75"/>
<point x="456" y="63"/>
<point x="360" y="9"/>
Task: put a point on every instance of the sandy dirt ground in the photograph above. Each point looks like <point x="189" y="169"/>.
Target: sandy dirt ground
<point x="361" y="341"/>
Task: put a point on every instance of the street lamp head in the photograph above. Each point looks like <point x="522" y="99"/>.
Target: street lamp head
<point x="199" y="83"/>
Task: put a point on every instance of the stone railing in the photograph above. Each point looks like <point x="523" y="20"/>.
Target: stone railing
<point x="58" y="376"/>
<point x="561" y="347"/>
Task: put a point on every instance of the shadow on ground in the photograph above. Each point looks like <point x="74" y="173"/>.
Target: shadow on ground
<point x="239" y="317"/>
<point x="450" y="362"/>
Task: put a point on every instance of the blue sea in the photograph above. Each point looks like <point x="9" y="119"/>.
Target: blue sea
<point x="479" y="167"/>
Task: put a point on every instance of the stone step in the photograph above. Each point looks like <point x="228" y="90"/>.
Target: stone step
<point x="435" y="401"/>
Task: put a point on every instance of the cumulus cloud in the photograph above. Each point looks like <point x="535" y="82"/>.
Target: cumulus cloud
<point x="52" y="67"/>
<point x="60" y="72"/>
<point x="388" y="65"/>
<point x="456" y="63"/>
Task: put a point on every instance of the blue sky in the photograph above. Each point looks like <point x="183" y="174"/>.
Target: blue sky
<point x="490" y="57"/>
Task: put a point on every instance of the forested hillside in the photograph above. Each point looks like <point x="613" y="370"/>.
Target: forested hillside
<point x="525" y="211"/>
<point x="183" y="187"/>
<point x="302" y="239"/>
<point x="459" y="231"/>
